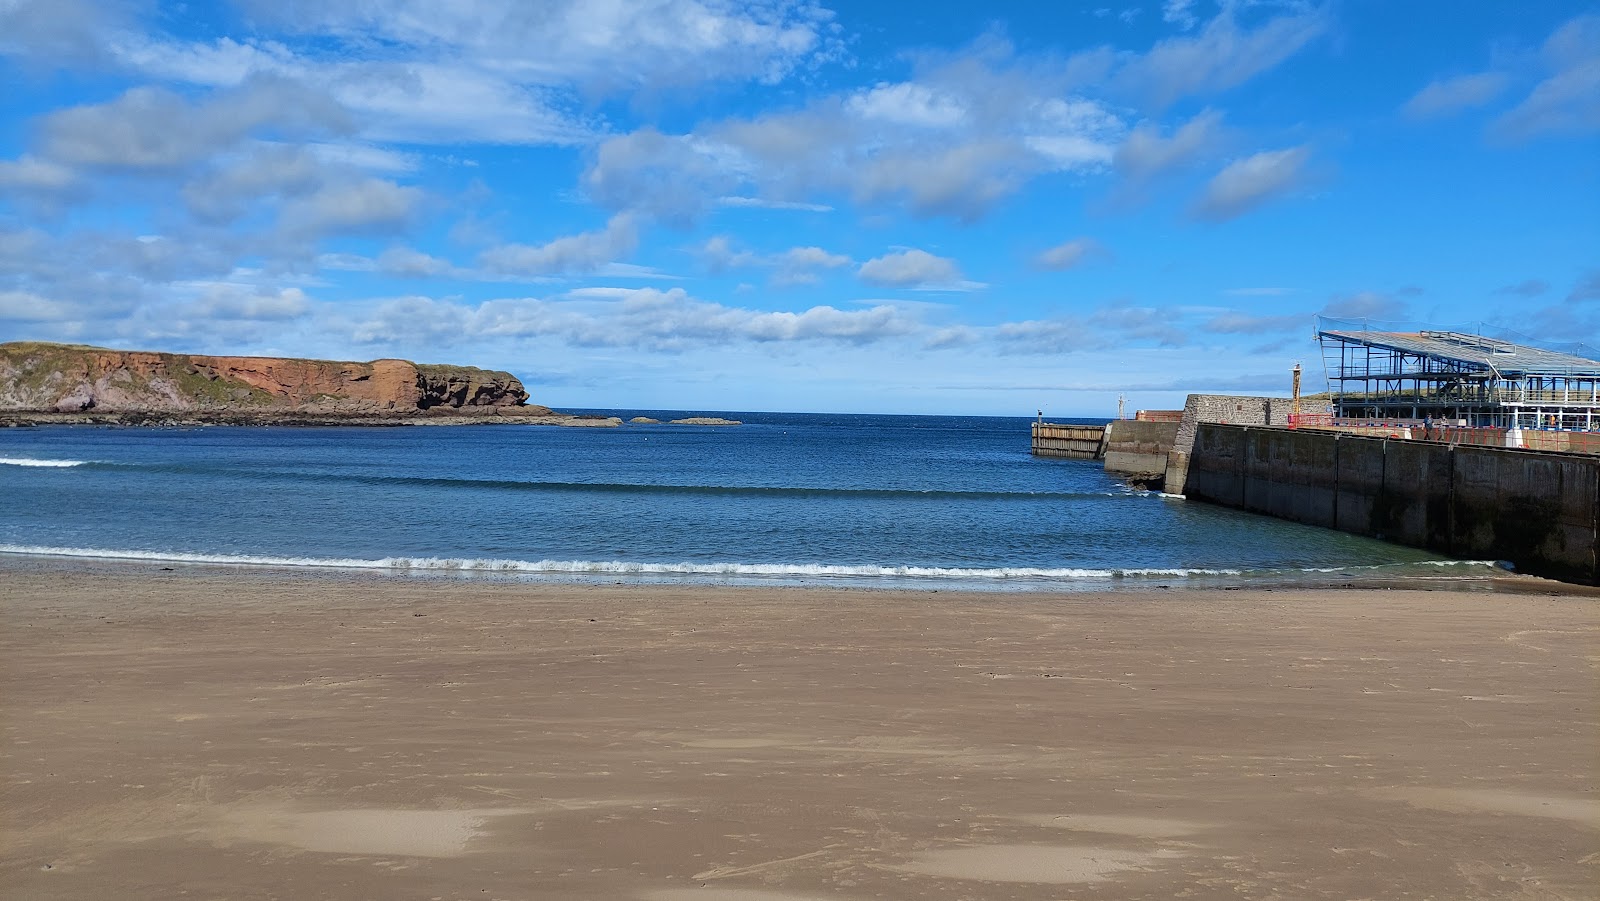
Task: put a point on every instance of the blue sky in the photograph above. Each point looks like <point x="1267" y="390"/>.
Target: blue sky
<point x="864" y="207"/>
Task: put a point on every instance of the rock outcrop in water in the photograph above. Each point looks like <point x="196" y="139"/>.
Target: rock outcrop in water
<point x="97" y="384"/>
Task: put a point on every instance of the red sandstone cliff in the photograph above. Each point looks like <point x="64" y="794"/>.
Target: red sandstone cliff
<point x="36" y="376"/>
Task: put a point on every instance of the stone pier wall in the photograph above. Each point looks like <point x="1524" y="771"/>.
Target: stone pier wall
<point x="1540" y="510"/>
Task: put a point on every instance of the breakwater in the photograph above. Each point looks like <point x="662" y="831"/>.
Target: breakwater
<point x="1540" y="510"/>
<point x="1072" y="442"/>
<point x="1138" y="450"/>
<point x="1152" y="451"/>
<point x="1134" y="449"/>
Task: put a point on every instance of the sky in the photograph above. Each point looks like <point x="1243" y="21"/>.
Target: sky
<point x="876" y="207"/>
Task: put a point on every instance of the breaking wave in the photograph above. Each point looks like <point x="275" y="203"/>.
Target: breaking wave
<point x="715" y="570"/>
<point x="50" y="464"/>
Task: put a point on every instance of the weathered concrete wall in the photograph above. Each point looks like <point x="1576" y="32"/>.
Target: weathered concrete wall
<point x="1538" y="509"/>
<point x="1076" y="442"/>
<point x="1528" y="505"/>
<point x="1224" y="408"/>
<point x="1140" y="448"/>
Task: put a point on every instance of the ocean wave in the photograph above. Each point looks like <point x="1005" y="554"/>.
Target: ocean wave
<point x="607" y="567"/>
<point x="768" y="491"/>
<point x="751" y="490"/>
<point x="467" y="565"/>
<point x="50" y="464"/>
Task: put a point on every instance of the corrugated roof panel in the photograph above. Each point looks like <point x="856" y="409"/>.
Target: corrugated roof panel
<point x="1509" y="359"/>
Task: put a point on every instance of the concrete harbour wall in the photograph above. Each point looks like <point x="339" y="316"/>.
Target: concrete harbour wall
<point x="1538" y="509"/>
<point x="1223" y="408"/>
<point x="1139" y="449"/>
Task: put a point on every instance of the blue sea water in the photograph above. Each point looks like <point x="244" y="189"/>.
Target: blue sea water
<point x="891" y="501"/>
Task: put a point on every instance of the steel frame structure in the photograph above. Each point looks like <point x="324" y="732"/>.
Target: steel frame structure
<point x="1459" y="377"/>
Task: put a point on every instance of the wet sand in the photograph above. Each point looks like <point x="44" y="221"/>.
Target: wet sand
<point x="216" y="733"/>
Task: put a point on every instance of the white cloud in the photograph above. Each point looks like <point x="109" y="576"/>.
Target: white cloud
<point x="1234" y="322"/>
<point x="1221" y="56"/>
<point x="970" y="130"/>
<point x="962" y="182"/>
<point x="491" y="70"/>
<point x="1367" y="305"/>
<point x="668" y="176"/>
<point x="1044" y="336"/>
<point x="29" y="175"/>
<point x="404" y="94"/>
<point x="1585" y="288"/>
<point x="1179" y="13"/>
<point x="447" y="104"/>
<point x="720" y="256"/>
<point x="602" y="45"/>
<point x="585" y="252"/>
<point x="1563" y="321"/>
<point x="25" y="306"/>
<point x="907" y="103"/>
<point x="911" y="269"/>
<point x="1146" y="154"/>
<point x="795" y="266"/>
<point x="412" y="263"/>
<point x="234" y="185"/>
<point x="1246" y="184"/>
<point x="649" y="318"/>
<point x="1068" y="254"/>
<point x="804" y="265"/>
<point x="1532" y="287"/>
<point x="1569" y="99"/>
<point x="414" y="318"/>
<point x="364" y="156"/>
<point x="233" y="301"/>
<point x="58" y="33"/>
<point x="368" y="206"/>
<point x="152" y="128"/>
<point x="1066" y="152"/>
<point x="814" y="257"/>
<point x="1452" y="95"/>
<point x="952" y="337"/>
<point x="1141" y="324"/>
<point x="763" y="203"/>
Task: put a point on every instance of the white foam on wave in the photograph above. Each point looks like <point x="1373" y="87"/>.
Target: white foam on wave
<point x="691" y="570"/>
<point x="614" y="567"/>
<point x="51" y="464"/>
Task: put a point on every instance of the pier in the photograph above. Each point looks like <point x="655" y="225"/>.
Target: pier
<point x="1539" y="510"/>
<point x="1152" y="449"/>
<point x="1473" y="446"/>
<point x="1072" y="442"/>
<point x="1456" y="490"/>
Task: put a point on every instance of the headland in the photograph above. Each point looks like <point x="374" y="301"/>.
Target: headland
<point x="62" y="384"/>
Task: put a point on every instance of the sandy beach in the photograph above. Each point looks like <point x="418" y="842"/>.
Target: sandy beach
<point x="234" y="733"/>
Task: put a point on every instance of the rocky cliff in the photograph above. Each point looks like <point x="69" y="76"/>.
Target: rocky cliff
<point x="63" y="378"/>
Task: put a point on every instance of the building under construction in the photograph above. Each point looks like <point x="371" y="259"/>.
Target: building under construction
<point x="1459" y="378"/>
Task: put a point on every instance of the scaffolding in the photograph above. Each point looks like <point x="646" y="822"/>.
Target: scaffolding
<point x="1457" y="377"/>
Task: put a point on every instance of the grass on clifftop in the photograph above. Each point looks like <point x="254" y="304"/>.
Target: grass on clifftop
<point x="447" y="370"/>
<point x="199" y="387"/>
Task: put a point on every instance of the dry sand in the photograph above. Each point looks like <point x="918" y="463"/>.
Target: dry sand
<point x="250" y="734"/>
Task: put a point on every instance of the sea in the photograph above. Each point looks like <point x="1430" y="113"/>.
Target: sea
<point x="940" y="502"/>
